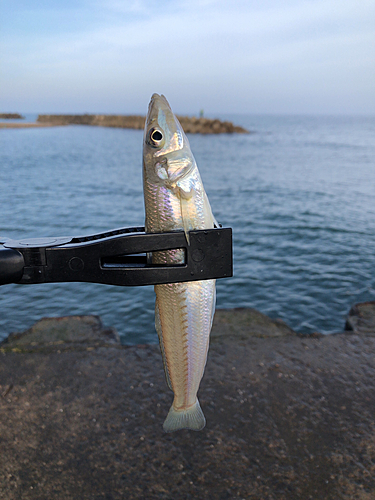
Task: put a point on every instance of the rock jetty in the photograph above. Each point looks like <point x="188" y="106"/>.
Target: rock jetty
<point x="191" y="125"/>
<point x="361" y="318"/>
<point x="11" y="116"/>
<point x="288" y="417"/>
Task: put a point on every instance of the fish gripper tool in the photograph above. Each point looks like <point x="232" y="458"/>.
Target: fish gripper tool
<point x="118" y="257"/>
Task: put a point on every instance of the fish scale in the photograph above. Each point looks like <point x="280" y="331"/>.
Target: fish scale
<point x="175" y="199"/>
<point x="185" y="336"/>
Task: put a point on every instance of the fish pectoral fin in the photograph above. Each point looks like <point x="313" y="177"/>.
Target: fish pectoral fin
<point x="184" y="192"/>
<point x="160" y="335"/>
<point x="189" y="418"/>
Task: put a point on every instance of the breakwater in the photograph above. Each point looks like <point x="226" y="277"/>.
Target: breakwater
<point x="191" y="125"/>
<point x="11" y="116"/>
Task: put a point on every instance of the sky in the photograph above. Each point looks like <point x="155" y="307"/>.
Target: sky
<point x="110" y="56"/>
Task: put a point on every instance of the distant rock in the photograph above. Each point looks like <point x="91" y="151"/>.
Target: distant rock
<point x="242" y="323"/>
<point x="64" y="333"/>
<point x="11" y="116"/>
<point x="361" y="318"/>
<point x="191" y="125"/>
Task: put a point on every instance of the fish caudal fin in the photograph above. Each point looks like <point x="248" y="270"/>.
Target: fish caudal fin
<point x="190" y="418"/>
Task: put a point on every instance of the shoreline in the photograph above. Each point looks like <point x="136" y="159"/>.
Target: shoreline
<point x="288" y="417"/>
<point x="26" y="125"/>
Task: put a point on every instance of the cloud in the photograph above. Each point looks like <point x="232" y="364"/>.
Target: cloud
<point x="110" y="44"/>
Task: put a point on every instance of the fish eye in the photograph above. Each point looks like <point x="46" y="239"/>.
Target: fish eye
<point x="156" y="137"/>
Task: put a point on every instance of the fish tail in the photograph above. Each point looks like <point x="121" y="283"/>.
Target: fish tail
<point x="189" y="418"/>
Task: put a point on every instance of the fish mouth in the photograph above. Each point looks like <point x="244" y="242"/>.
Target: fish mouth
<point x="159" y="100"/>
<point x="158" y="104"/>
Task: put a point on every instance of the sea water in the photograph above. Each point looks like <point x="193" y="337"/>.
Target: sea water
<point x="299" y="193"/>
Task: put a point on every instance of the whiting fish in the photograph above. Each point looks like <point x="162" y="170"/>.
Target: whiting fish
<point x="175" y="199"/>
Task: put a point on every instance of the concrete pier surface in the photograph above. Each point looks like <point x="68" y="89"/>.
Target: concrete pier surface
<point x="288" y="417"/>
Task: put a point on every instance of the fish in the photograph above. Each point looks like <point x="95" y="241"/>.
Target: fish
<point x="175" y="200"/>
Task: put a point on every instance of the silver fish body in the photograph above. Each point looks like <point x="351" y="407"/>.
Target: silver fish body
<point x="175" y="199"/>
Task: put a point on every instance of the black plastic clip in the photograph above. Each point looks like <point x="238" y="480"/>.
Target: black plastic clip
<point x="117" y="258"/>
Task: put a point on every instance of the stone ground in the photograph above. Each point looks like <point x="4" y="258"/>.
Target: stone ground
<point x="288" y="417"/>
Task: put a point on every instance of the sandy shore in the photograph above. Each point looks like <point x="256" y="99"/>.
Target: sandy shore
<point x="288" y="417"/>
<point x="25" y="125"/>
